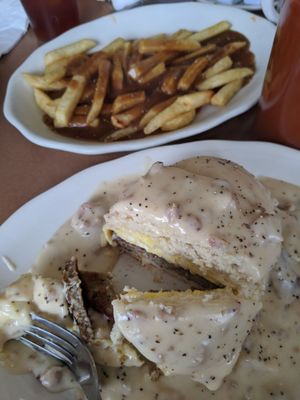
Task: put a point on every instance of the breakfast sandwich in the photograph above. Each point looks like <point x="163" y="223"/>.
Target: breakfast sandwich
<point x="218" y="222"/>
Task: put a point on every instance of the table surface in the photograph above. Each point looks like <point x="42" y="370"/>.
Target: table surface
<point x="27" y="170"/>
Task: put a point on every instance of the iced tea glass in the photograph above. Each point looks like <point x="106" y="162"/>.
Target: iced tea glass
<point x="279" y="106"/>
<point x="50" y="18"/>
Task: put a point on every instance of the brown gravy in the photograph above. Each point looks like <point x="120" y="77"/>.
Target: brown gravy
<point x="241" y="58"/>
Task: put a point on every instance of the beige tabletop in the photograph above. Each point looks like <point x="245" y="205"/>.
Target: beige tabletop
<point x="27" y="170"/>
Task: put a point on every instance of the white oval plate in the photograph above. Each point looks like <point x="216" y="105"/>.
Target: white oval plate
<point x="21" y="110"/>
<point x="24" y="233"/>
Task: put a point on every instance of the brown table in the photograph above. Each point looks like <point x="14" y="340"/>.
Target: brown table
<point x="27" y="170"/>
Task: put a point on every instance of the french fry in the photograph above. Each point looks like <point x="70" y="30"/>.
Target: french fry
<point x="63" y="66"/>
<point x="87" y="94"/>
<point x="140" y="68"/>
<point x="221" y="65"/>
<point x="179" y="121"/>
<point x="135" y="44"/>
<point x="69" y="101"/>
<point x="100" y="91"/>
<point x="191" y="73"/>
<point x="113" y="46"/>
<point x="156" y="109"/>
<point x="57" y="70"/>
<point x="39" y="82"/>
<point x="225" y="94"/>
<point x="75" y="64"/>
<point x="121" y="134"/>
<point x="135" y="57"/>
<point x="44" y="102"/>
<point x="183" y="104"/>
<point x="211" y="31"/>
<point x="169" y="84"/>
<point x="70" y="50"/>
<point x="153" y="73"/>
<point x="128" y="100"/>
<point x="232" y="47"/>
<point x="182" y="34"/>
<point x="94" y="123"/>
<point x="202" y="51"/>
<point x="117" y="76"/>
<point x="148" y="46"/>
<point x="90" y="67"/>
<point x="158" y="36"/>
<point x="224" y="77"/>
<point x="124" y="55"/>
<point x="126" y="118"/>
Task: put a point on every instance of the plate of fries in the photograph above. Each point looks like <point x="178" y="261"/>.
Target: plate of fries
<point x="140" y="78"/>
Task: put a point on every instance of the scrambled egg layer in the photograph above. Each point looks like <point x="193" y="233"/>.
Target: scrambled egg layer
<point x="154" y="246"/>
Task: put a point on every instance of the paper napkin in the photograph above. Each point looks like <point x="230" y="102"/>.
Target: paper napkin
<point x="13" y="24"/>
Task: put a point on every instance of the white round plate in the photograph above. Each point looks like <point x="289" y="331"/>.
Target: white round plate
<point x="24" y="233"/>
<point x="21" y="110"/>
<point x="242" y="5"/>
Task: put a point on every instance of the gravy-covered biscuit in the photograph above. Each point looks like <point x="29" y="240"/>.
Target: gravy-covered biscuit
<point x="218" y="222"/>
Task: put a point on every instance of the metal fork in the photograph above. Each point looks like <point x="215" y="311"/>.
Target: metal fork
<point x="55" y="341"/>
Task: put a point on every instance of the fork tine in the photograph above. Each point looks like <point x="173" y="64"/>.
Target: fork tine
<point x="51" y="336"/>
<point x="67" y="335"/>
<point x="44" y="350"/>
<point x="49" y="344"/>
<point x="55" y="341"/>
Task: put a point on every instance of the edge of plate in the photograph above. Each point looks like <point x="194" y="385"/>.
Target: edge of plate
<point x="267" y="146"/>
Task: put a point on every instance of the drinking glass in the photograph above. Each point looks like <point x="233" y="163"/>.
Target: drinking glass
<point x="279" y="106"/>
<point x="50" y="18"/>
